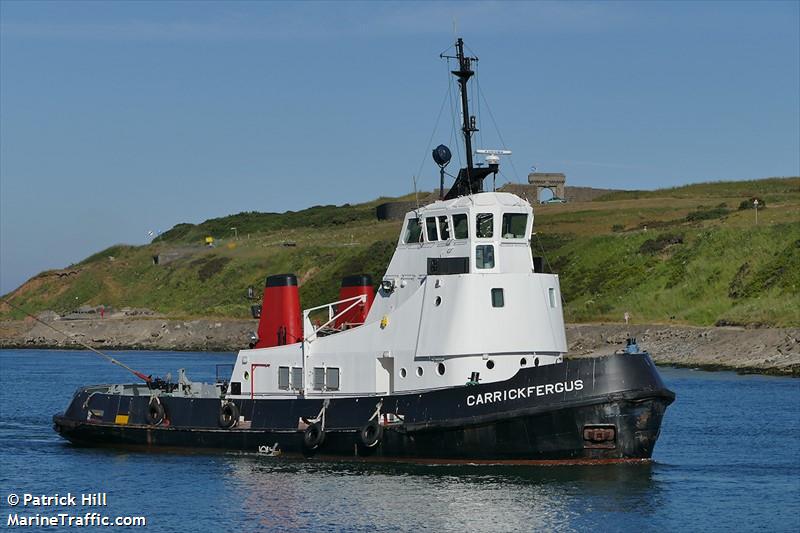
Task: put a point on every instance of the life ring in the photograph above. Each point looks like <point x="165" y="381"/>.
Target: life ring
<point x="313" y="436"/>
<point x="371" y="434"/>
<point x="228" y="415"/>
<point x="155" y="412"/>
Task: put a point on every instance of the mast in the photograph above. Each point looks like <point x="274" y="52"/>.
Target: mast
<point x="464" y="73"/>
<point x="470" y="178"/>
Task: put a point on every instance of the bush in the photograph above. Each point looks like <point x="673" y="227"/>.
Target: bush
<point x="616" y="228"/>
<point x="210" y="266"/>
<point x="750" y="204"/>
<point x="655" y="224"/>
<point x="653" y="246"/>
<point x="707" y="214"/>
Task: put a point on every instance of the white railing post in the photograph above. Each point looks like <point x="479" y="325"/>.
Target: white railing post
<point x="361" y="298"/>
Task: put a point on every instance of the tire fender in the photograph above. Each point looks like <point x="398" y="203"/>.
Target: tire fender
<point x="371" y="434"/>
<point x="228" y="415"/>
<point x="313" y="436"/>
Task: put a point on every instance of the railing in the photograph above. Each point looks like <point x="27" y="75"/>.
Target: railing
<point x="224" y="372"/>
<point x="332" y="316"/>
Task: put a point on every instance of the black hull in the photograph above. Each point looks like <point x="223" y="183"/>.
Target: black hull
<point x="612" y="411"/>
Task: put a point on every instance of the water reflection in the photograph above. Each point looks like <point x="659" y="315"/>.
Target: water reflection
<point x="279" y="493"/>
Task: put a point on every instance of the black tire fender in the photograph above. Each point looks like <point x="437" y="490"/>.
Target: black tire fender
<point x="156" y="413"/>
<point x="228" y="415"/>
<point x="313" y="436"/>
<point x="371" y="434"/>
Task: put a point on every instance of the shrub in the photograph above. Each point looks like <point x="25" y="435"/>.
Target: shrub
<point x="707" y="214"/>
<point x="653" y="246"/>
<point x="211" y="266"/>
<point x="750" y="204"/>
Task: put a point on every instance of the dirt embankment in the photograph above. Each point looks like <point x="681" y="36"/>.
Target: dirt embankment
<point x="767" y="350"/>
<point x="130" y="334"/>
<point x="763" y="350"/>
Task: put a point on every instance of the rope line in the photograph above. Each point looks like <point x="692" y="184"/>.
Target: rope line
<point x="500" y="135"/>
<point x="139" y="375"/>
<point x="433" y="133"/>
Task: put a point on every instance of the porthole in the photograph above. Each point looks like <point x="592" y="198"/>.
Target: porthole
<point x="246" y="375"/>
<point x="536" y="362"/>
<point x="402" y="372"/>
<point x="490" y="364"/>
<point x="438" y="300"/>
<point x="523" y="362"/>
<point x="419" y="371"/>
<point x="440" y="369"/>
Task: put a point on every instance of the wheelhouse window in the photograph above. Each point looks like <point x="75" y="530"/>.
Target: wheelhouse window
<point x="514" y="225"/>
<point x="413" y="233"/>
<point x="551" y="295"/>
<point x="444" y="228"/>
<point x="497" y="298"/>
<point x="484" y="256"/>
<point x="484" y="225"/>
<point x="430" y="229"/>
<point x="460" y="226"/>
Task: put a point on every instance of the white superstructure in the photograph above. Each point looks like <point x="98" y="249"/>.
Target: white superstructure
<point x="460" y="296"/>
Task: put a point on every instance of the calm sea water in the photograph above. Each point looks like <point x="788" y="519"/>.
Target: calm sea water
<point x="728" y="459"/>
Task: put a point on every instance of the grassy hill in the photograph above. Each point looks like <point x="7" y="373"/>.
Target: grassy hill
<point x="689" y="254"/>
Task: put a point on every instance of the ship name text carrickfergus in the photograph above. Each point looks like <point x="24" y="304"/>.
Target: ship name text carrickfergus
<point x="523" y="392"/>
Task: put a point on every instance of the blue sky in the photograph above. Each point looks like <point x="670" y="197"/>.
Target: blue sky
<point x="117" y="118"/>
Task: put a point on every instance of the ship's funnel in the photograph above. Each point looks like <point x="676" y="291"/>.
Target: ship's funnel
<point x="355" y="286"/>
<point x="280" y="321"/>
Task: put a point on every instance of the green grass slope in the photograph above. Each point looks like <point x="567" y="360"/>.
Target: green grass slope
<point x="687" y="255"/>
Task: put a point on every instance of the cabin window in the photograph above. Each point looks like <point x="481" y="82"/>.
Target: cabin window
<point x="514" y="225"/>
<point x="497" y="298"/>
<point x="484" y="225"/>
<point x="319" y="378"/>
<point x="484" y="256"/>
<point x="430" y="229"/>
<point x="283" y="377"/>
<point x="326" y="378"/>
<point x="332" y="378"/>
<point x="297" y="378"/>
<point x="460" y="226"/>
<point x="413" y="232"/>
<point x="551" y="293"/>
<point x="444" y="228"/>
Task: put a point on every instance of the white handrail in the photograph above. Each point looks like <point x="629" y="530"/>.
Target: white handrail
<point x="361" y="298"/>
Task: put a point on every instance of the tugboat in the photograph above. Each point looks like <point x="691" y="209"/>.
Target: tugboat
<point x="458" y="357"/>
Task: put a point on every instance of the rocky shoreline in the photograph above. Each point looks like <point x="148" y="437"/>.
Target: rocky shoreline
<point x="763" y="350"/>
<point x="774" y="351"/>
<point x="210" y="335"/>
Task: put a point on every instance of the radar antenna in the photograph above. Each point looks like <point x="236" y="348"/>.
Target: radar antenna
<point x="493" y="160"/>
